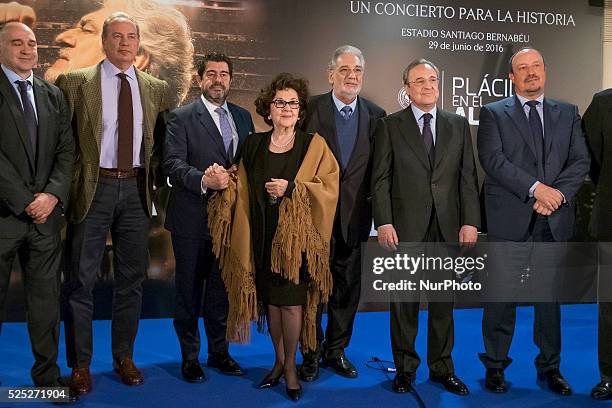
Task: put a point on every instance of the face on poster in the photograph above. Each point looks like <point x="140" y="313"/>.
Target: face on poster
<point x="470" y="42"/>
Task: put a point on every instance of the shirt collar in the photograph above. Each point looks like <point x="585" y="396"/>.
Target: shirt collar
<point x="524" y="100"/>
<point x="111" y="70"/>
<point x="13" y="77"/>
<point x="339" y="104"/>
<point x="211" y="106"/>
<point x="419" y="113"/>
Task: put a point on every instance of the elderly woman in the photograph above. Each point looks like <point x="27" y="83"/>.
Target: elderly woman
<point x="272" y="226"/>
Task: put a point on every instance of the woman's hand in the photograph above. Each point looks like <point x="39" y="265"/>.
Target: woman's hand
<point x="276" y="187"/>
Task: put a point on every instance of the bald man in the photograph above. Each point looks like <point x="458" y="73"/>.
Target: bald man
<point x="36" y="156"/>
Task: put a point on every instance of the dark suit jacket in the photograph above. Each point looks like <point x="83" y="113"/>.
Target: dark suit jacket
<point x="597" y="123"/>
<point x="354" y="214"/>
<point x="193" y="143"/>
<point x="507" y="154"/>
<point x="21" y="176"/>
<point x="405" y="186"/>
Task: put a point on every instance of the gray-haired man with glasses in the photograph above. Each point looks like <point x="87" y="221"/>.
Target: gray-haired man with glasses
<point x="346" y="121"/>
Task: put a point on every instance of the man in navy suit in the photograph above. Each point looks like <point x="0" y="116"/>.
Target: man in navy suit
<point x="535" y="158"/>
<point x="208" y="131"/>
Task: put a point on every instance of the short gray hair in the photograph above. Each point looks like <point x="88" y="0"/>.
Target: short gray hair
<point x="346" y="49"/>
<point x="415" y="63"/>
<point x="119" y="15"/>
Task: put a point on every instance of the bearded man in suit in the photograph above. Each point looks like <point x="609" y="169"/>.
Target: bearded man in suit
<point x="346" y="121"/>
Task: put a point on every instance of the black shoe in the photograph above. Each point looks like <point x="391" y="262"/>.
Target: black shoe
<point x="555" y="381"/>
<point x="341" y="365"/>
<point x="451" y="382"/>
<point x="403" y="382"/>
<point x="294" y="394"/>
<point x="224" y="363"/>
<point x="270" y="380"/>
<point x="309" y="370"/>
<point x="192" y="371"/>
<point x="495" y="381"/>
<point x="602" y="391"/>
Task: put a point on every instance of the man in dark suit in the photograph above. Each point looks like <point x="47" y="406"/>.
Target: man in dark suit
<point x="207" y="132"/>
<point x="597" y="123"/>
<point x="425" y="189"/>
<point x="535" y="159"/>
<point x="346" y="121"/>
<point x="117" y="115"/>
<point x="36" y="156"/>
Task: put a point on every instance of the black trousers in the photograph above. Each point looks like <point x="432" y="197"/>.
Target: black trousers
<point x="199" y="292"/>
<point x="119" y="207"/>
<point x="345" y="265"/>
<point x="605" y="309"/>
<point x="404" y="320"/>
<point x="40" y="259"/>
<point x="499" y="318"/>
<point x="605" y="341"/>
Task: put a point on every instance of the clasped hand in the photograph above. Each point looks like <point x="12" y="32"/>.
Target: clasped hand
<point x="276" y="187"/>
<point x="548" y="199"/>
<point x="41" y="207"/>
<point x="216" y="177"/>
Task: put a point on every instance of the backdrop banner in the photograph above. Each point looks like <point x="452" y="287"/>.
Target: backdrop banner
<point x="469" y="40"/>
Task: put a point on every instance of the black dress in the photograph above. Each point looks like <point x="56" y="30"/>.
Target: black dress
<point x="272" y="289"/>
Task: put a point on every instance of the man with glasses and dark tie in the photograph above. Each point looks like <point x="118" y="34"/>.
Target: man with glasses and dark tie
<point x="207" y="132"/>
<point x="36" y="155"/>
<point x="117" y="114"/>
<point x="424" y="189"/>
<point x="534" y="154"/>
<point x="346" y="121"/>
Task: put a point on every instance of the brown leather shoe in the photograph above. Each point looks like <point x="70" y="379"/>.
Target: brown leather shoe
<point x="80" y="381"/>
<point x="130" y="375"/>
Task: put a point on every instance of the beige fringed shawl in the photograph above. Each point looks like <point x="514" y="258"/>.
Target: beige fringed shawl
<point x="305" y="225"/>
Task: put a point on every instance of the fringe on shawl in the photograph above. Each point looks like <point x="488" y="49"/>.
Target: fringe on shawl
<point x="297" y="234"/>
<point x="239" y="282"/>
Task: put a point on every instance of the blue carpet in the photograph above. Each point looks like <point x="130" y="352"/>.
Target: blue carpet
<point x="157" y="353"/>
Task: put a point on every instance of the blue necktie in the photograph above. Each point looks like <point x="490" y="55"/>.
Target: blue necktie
<point x="29" y="115"/>
<point x="226" y="130"/>
<point x="535" y="123"/>
<point x="346" y="112"/>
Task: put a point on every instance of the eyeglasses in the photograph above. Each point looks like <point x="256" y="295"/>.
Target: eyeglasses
<point x="346" y="71"/>
<point x="281" y="103"/>
<point x="421" y="82"/>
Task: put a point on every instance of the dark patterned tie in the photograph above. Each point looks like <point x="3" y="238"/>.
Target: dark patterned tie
<point x="535" y="123"/>
<point x="428" y="135"/>
<point x="125" y="119"/>
<point x="346" y="112"/>
<point x="29" y="115"/>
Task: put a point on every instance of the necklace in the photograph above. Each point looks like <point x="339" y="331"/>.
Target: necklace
<point x="283" y="145"/>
